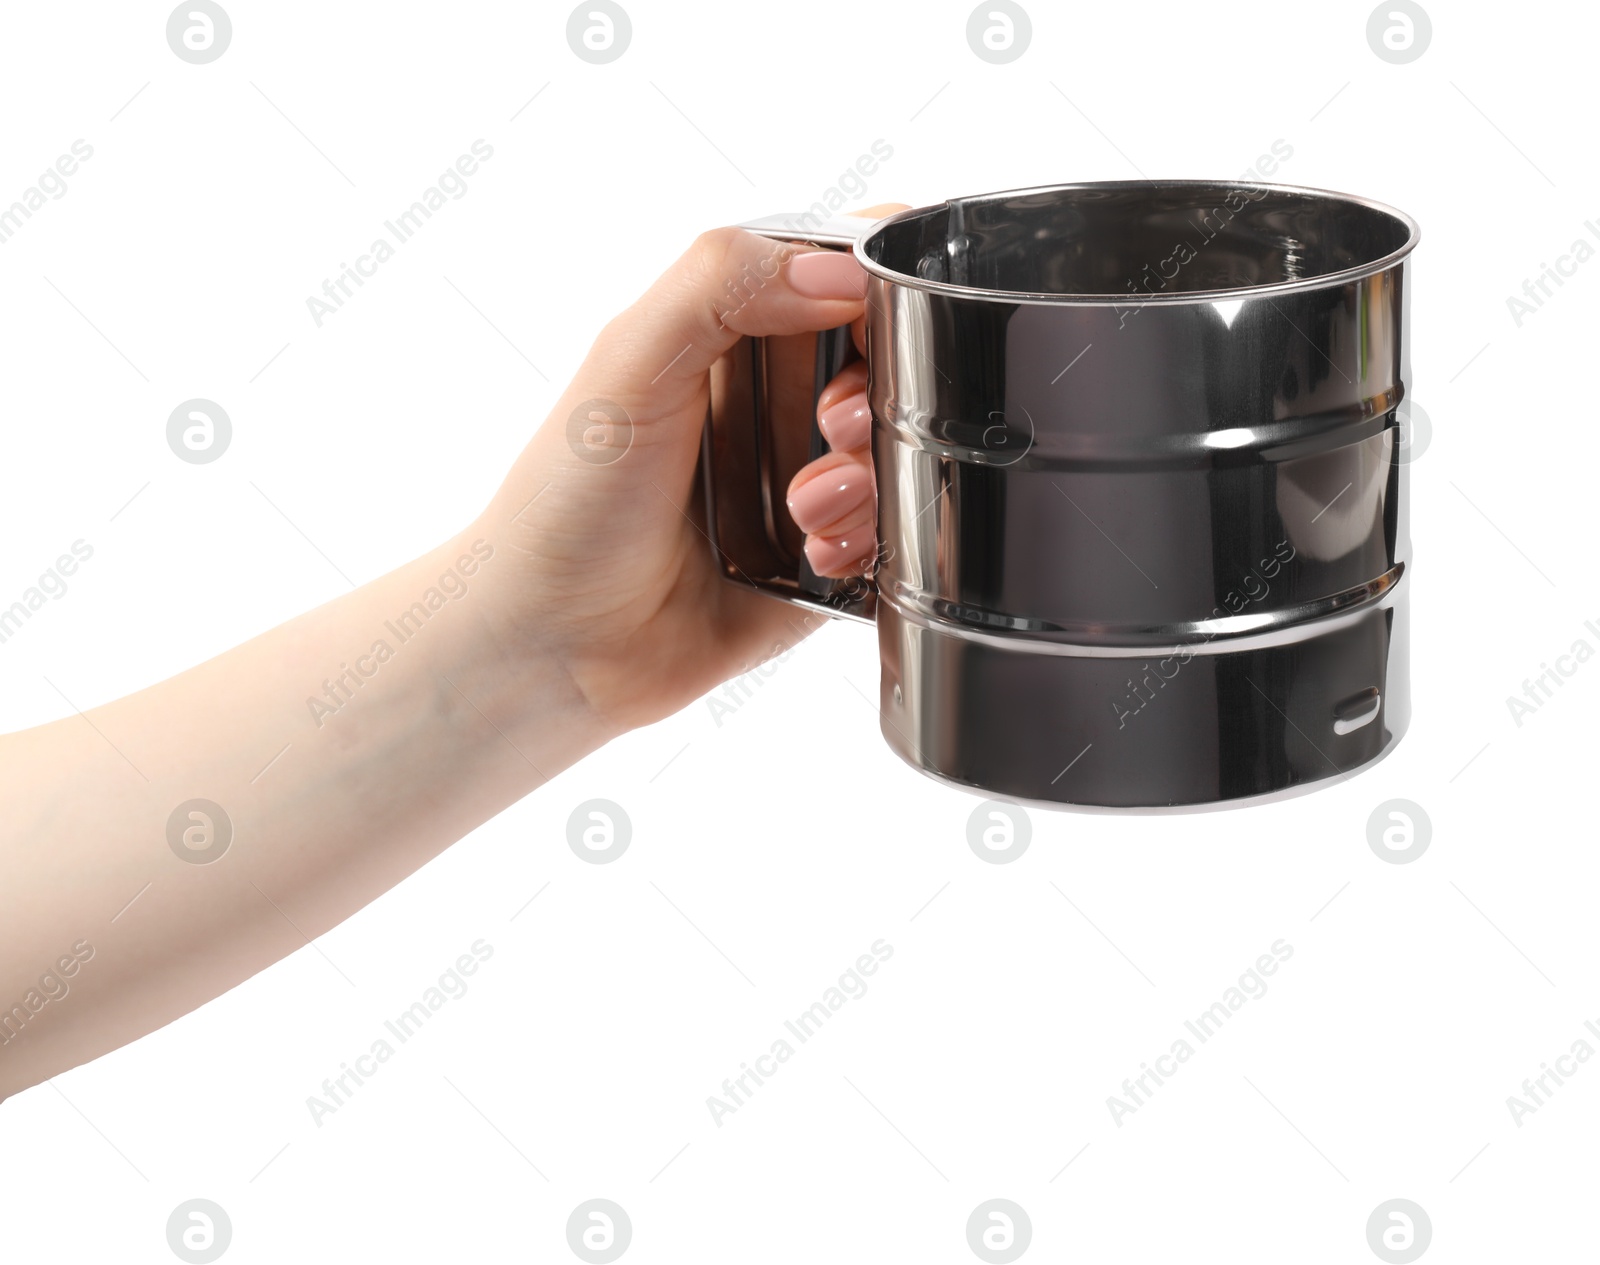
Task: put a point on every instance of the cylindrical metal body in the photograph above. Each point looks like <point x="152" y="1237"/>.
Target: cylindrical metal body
<point x="1141" y="498"/>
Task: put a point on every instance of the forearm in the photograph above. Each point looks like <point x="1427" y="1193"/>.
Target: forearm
<point x="345" y="747"/>
<point x="354" y="743"/>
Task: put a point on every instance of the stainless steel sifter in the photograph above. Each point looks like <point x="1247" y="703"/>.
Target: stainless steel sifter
<point x="1141" y="485"/>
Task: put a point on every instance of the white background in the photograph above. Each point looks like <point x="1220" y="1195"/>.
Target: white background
<point x="1379" y="1063"/>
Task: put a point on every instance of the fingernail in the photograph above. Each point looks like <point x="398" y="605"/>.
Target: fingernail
<point x="827" y="274"/>
<point x="848" y="424"/>
<point x="831" y="555"/>
<point x="829" y="496"/>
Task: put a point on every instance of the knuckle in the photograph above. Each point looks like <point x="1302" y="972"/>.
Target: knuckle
<point x="714" y="249"/>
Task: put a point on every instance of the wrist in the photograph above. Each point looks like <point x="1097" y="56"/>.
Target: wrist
<point x="505" y="656"/>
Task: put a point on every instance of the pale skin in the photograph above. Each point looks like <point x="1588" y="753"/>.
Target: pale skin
<point x="597" y="610"/>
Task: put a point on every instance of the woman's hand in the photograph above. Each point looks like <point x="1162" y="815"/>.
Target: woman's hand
<point x="609" y="569"/>
<point x="260" y="798"/>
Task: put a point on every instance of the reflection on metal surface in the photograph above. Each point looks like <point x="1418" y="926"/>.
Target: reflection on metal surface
<point x="1183" y="559"/>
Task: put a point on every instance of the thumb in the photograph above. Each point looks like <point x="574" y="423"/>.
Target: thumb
<point x="654" y="357"/>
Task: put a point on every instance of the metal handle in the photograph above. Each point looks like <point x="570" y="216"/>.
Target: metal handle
<point x="762" y="403"/>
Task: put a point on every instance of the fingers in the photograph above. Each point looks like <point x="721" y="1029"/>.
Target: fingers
<point x="838" y="556"/>
<point x="730" y="283"/>
<point x="843" y="412"/>
<point x="652" y="359"/>
<point x="882" y="211"/>
<point x="849" y="381"/>
<point x="830" y="491"/>
<point x="827" y="274"/>
<point x="833" y="500"/>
